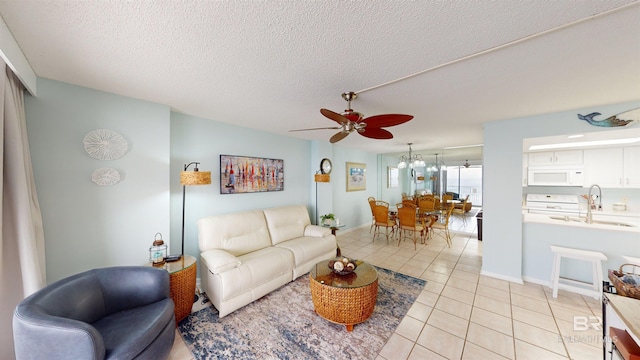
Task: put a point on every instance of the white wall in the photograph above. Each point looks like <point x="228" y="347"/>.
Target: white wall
<point x="86" y="225"/>
<point x="502" y="205"/>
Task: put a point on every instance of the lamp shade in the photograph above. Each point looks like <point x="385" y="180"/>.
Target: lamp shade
<point x="195" y="177"/>
<point x="322" y="178"/>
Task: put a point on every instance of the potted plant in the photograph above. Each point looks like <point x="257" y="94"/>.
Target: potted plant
<point x="327" y="218"/>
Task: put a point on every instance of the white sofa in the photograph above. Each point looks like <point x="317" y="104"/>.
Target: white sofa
<point x="244" y="256"/>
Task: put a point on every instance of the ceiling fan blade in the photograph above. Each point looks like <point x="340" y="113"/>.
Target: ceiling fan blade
<point x="386" y="120"/>
<point x="375" y="133"/>
<point x="339" y="136"/>
<point x="320" y="128"/>
<point x="334" y="116"/>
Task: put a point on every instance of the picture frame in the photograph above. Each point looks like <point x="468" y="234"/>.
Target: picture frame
<point x="247" y="174"/>
<point x="392" y="177"/>
<point x="356" y="176"/>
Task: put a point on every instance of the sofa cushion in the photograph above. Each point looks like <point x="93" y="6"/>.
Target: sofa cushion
<point x="286" y="223"/>
<point x="307" y="248"/>
<point x="257" y="268"/>
<point x="316" y="231"/>
<point x="219" y="261"/>
<point x="129" y="332"/>
<point x="238" y="233"/>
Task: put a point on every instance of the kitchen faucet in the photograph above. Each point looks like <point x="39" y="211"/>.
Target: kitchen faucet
<point x="589" y="214"/>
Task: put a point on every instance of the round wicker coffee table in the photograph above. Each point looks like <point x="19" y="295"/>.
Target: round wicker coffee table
<point x="344" y="299"/>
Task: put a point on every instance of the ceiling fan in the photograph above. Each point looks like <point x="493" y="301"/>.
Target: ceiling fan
<point x="350" y="121"/>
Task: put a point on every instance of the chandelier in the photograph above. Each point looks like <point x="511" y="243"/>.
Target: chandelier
<point x="412" y="161"/>
<point x="434" y="167"/>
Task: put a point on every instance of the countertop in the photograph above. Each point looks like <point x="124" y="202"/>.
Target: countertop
<point x="582" y="212"/>
<point x="633" y="221"/>
<point x="629" y="311"/>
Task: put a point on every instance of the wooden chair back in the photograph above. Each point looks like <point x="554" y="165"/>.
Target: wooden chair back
<point x="407" y="215"/>
<point x="372" y="203"/>
<point x="381" y="212"/>
<point x="426" y="204"/>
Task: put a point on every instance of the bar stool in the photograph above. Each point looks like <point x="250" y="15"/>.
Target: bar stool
<point x="634" y="261"/>
<point x="595" y="257"/>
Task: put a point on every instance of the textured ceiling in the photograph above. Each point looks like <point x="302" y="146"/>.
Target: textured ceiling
<point x="271" y="65"/>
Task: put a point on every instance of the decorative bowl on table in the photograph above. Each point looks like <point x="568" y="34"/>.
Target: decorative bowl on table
<point x="343" y="266"/>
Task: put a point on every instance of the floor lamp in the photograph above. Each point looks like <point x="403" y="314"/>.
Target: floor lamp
<point x="319" y="178"/>
<point x="188" y="178"/>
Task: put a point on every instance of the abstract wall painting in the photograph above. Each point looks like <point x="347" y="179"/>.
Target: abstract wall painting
<point x="246" y="174"/>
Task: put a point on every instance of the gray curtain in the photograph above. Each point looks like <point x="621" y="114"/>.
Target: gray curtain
<point x="22" y="261"/>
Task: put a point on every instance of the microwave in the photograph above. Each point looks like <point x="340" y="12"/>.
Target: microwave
<point x="555" y="176"/>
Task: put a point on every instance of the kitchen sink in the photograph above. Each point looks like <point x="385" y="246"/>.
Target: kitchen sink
<point x="583" y="220"/>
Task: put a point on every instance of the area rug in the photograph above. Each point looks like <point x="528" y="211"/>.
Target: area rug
<point x="283" y="325"/>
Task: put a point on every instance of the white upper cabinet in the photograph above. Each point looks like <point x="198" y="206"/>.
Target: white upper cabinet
<point x="632" y="167"/>
<point x="613" y="167"/>
<point x="547" y="158"/>
<point x="525" y="161"/>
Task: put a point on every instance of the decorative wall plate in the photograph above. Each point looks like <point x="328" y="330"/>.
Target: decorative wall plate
<point x="105" y="144"/>
<point x="105" y="176"/>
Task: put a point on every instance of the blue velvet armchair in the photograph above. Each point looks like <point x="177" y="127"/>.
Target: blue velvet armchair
<point x="109" y="313"/>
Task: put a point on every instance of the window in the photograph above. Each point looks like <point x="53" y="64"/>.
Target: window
<point x="465" y="181"/>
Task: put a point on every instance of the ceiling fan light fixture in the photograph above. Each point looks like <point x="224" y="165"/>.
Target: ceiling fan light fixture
<point x="414" y="160"/>
<point x="353" y="121"/>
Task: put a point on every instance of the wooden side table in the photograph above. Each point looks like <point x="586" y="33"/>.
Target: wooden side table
<point x="182" y="277"/>
<point x="335" y="228"/>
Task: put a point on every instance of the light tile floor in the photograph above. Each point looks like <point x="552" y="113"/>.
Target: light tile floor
<point x="463" y="315"/>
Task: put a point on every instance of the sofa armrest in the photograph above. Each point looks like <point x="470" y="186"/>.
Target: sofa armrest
<point x="39" y="335"/>
<point x="219" y="261"/>
<point x="316" y="231"/>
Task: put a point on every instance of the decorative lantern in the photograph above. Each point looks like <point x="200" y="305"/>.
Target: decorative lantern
<point x="157" y="251"/>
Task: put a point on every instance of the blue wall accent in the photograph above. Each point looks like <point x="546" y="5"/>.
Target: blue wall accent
<point x="86" y="225"/>
<point x="202" y="140"/>
<point x="502" y="183"/>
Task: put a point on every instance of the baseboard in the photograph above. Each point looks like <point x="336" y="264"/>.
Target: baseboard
<point x="502" y="277"/>
<point x="545" y="283"/>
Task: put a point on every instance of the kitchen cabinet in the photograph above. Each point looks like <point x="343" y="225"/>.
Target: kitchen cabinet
<point x="525" y="162"/>
<point x="613" y="167"/>
<point x="632" y="167"/>
<point x="546" y="158"/>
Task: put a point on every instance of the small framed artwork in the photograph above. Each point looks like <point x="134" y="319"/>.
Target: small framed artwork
<point x="392" y="177"/>
<point x="356" y="176"/>
<point x="245" y="174"/>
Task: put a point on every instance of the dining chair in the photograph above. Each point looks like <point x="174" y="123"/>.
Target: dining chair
<point x="372" y="203"/>
<point x="381" y="214"/>
<point x="460" y="209"/>
<point x="426" y="205"/>
<point x="444" y="226"/>
<point x="409" y="201"/>
<point x="407" y="217"/>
